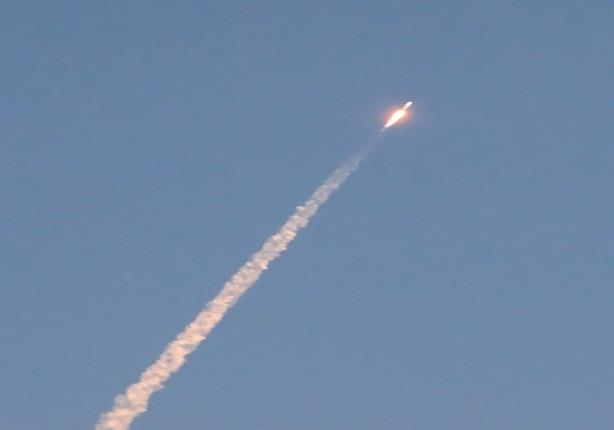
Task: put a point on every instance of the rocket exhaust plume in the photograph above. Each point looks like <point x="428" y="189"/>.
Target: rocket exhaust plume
<point x="135" y="400"/>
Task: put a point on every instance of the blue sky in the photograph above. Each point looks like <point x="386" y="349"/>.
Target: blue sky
<point x="461" y="279"/>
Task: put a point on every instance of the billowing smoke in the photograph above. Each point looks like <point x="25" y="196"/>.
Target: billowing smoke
<point x="135" y="400"/>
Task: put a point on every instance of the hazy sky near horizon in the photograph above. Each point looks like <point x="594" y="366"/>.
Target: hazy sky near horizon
<point x="461" y="278"/>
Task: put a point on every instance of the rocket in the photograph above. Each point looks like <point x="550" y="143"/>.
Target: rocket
<point x="398" y="115"/>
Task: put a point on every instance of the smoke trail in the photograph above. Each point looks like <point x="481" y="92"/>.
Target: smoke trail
<point x="134" y="401"/>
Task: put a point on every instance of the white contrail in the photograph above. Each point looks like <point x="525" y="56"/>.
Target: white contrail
<point x="134" y="401"/>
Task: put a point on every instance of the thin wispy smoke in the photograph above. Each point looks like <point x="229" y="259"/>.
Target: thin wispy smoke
<point x="135" y="400"/>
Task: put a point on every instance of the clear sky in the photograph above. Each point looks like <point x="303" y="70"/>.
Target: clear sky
<point x="461" y="279"/>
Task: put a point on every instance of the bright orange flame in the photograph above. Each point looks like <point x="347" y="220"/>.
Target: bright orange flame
<point x="396" y="116"/>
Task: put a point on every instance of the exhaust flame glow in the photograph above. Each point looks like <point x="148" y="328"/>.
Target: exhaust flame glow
<point x="398" y="115"/>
